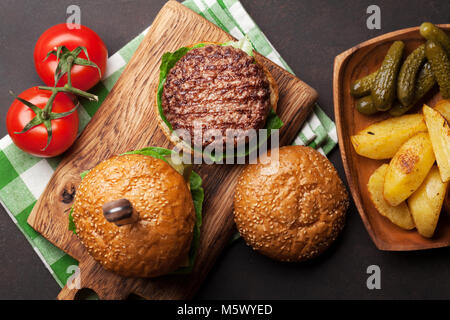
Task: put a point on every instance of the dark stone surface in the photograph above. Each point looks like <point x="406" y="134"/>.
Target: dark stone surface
<point x="308" y="34"/>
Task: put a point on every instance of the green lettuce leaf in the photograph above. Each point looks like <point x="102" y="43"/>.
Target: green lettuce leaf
<point x="72" y="226"/>
<point x="198" y="196"/>
<point x="83" y="174"/>
<point x="168" y="61"/>
<point x="244" y="44"/>
<point x="195" y="182"/>
<point x="155" y="152"/>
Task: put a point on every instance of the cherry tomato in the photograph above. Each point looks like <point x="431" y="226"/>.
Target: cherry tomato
<point x="64" y="130"/>
<point x="83" y="77"/>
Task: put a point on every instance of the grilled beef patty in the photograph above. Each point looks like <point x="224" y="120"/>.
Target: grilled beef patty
<point x="216" y="88"/>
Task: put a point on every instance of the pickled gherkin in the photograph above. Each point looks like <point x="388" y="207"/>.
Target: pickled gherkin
<point x="385" y="83"/>
<point x="440" y="65"/>
<point x="363" y="86"/>
<point x="396" y="87"/>
<point x="424" y="82"/>
<point x="407" y="76"/>
<point x="430" y="32"/>
<point x="365" y="106"/>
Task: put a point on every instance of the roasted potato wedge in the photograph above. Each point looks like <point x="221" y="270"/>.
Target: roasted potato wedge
<point x="439" y="132"/>
<point x="447" y="201"/>
<point x="426" y="202"/>
<point x="408" y="168"/>
<point x="443" y="107"/>
<point x="382" y="140"/>
<point x="398" y="215"/>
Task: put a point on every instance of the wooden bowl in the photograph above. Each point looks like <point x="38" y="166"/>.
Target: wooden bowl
<point x="348" y="67"/>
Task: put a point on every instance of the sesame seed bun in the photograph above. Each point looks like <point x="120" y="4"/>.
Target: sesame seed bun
<point x="290" y="210"/>
<point x="158" y="243"/>
<point x="186" y="146"/>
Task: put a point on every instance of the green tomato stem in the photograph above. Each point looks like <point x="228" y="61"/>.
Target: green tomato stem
<point x="45" y="115"/>
<point x="68" y="89"/>
<point x="70" y="63"/>
<point x="79" y="92"/>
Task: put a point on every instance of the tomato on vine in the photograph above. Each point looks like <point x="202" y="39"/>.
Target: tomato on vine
<point x="43" y="120"/>
<point x="38" y="131"/>
<point x="63" y="47"/>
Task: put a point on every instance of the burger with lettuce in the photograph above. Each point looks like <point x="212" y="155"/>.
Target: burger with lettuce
<point x="139" y="214"/>
<point x="214" y="96"/>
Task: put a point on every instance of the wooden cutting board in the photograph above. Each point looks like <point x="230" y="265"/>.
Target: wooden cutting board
<point x="127" y="121"/>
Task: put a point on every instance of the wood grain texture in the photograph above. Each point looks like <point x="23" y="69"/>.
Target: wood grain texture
<point x="127" y="121"/>
<point x="348" y="67"/>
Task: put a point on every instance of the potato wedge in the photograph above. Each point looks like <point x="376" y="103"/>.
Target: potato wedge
<point x="447" y="201"/>
<point x="408" y="168"/>
<point x="426" y="203"/>
<point x="439" y="132"/>
<point x="398" y="215"/>
<point x="382" y="140"/>
<point x="443" y="107"/>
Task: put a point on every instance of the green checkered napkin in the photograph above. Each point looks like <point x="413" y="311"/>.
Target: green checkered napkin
<point x="24" y="177"/>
